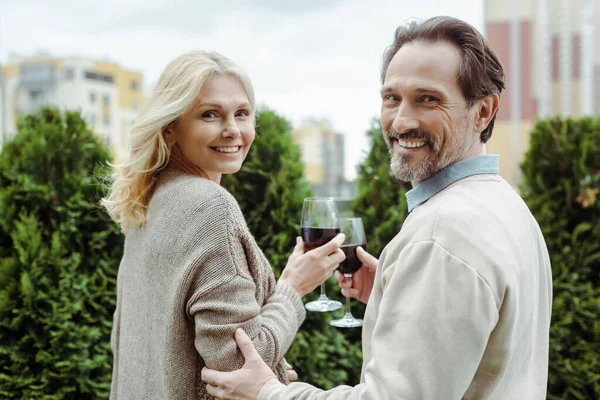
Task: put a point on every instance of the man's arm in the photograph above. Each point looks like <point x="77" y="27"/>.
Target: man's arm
<point x="434" y="321"/>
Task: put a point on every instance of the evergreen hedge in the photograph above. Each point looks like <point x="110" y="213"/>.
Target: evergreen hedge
<point x="59" y="254"/>
<point x="561" y="181"/>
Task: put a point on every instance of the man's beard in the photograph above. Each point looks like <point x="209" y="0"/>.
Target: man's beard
<point x="433" y="162"/>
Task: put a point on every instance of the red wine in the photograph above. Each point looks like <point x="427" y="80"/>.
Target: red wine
<point x="316" y="237"/>
<point x="351" y="264"/>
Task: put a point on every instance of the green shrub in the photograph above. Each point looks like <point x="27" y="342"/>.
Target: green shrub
<point x="561" y="180"/>
<point x="59" y="255"/>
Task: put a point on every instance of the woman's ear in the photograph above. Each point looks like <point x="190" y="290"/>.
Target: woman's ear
<point x="168" y="133"/>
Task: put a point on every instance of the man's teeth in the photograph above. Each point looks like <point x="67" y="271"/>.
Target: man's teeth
<point x="227" y="149"/>
<point x="411" y="144"/>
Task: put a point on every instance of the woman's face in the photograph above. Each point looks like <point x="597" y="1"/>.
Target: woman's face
<point x="216" y="133"/>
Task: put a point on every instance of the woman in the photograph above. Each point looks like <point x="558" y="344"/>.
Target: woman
<point x="191" y="271"/>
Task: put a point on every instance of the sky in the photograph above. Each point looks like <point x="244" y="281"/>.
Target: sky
<point x="306" y="58"/>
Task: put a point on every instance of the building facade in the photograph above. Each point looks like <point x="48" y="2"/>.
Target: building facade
<point x="107" y="95"/>
<point x="323" y="155"/>
<point x="551" y="57"/>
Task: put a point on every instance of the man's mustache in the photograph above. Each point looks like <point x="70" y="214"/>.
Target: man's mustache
<point x="417" y="134"/>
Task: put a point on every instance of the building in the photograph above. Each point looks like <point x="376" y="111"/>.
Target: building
<point x="550" y="50"/>
<point x="323" y="155"/>
<point x="107" y="95"/>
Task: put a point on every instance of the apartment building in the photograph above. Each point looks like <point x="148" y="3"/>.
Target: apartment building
<point x="107" y="95"/>
<point x="550" y="50"/>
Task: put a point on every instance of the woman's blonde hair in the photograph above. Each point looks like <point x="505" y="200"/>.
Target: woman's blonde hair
<point x="134" y="180"/>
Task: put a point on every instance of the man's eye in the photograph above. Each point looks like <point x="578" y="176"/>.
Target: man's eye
<point x="429" y="99"/>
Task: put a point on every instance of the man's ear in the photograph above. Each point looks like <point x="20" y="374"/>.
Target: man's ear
<point x="487" y="108"/>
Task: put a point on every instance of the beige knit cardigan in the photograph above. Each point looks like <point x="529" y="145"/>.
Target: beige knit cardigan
<point x="187" y="280"/>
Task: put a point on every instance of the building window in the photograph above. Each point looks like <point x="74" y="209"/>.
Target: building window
<point x="134" y="86"/>
<point x="69" y="74"/>
<point x="94" y="76"/>
<point x="93" y="119"/>
<point x="106" y="100"/>
<point x="35" y="95"/>
<point x="107" y="120"/>
<point x="92" y="97"/>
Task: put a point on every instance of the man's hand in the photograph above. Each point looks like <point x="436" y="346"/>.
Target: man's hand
<point x="361" y="283"/>
<point x="243" y="384"/>
<point x="291" y="374"/>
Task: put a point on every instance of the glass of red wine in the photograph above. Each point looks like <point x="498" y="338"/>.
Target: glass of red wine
<point x="355" y="236"/>
<point x="320" y="225"/>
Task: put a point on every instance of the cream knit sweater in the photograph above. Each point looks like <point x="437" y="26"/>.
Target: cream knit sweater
<point x="187" y="280"/>
<point x="460" y="307"/>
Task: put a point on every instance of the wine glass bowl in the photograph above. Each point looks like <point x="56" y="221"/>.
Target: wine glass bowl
<point x="319" y="225"/>
<point x="354" y="231"/>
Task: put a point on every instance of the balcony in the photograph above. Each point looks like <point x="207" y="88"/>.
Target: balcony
<point x="37" y="76"/>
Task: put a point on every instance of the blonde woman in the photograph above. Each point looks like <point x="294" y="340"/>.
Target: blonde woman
<point x="191" y="271"/>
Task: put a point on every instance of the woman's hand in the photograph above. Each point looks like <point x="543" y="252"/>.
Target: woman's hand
<point x="305" y="271"/>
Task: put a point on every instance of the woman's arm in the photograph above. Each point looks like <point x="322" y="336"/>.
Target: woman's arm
<point x="225" y="294"/>
<point x="272" y="327"/>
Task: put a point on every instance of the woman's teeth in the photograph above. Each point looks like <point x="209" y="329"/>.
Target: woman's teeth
<point x="411" y="144"/>
<point x="227" y="149"/>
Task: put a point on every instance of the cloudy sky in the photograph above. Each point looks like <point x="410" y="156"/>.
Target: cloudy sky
<point x="306" y="58"/>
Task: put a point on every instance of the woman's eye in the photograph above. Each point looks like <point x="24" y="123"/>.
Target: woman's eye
<point x="243" y="113"/>
<point x="391" y="99"/>
<point x="209" y="114"/>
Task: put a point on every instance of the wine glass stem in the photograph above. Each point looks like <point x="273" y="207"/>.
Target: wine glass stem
<point x="348" y="309"/>
<point x="323" y="294"/>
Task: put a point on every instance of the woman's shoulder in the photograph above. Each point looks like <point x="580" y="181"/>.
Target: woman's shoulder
<point x="194" y="198"/>
<point x="179" y="185"/>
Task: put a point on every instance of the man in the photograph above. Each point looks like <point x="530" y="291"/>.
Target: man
<point x="460" y="304"/>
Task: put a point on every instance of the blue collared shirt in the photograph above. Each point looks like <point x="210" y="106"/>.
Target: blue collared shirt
<point x="452" y="173"/>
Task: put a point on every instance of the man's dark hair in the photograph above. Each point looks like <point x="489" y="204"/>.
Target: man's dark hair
<point x="480" y="72"/>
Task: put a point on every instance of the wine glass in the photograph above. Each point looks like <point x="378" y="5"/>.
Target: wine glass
<point x="319" y="225"/>
<point x="355" y="236"/>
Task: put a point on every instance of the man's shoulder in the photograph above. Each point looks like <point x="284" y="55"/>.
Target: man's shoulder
<point x="474" y="202"/>
<point x="474" y="215"/>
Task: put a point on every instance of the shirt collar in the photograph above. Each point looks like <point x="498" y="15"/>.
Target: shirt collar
<point x="452" y="173"/>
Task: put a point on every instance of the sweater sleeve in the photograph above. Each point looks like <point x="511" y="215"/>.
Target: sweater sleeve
<point x="435" y="317"/>
<point x="224" y="299"/>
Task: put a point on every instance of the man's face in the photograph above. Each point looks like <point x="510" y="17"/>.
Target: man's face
<point x="424" y="115"/>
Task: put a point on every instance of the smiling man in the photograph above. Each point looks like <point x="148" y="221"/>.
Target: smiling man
<point x="459" y="303"/>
